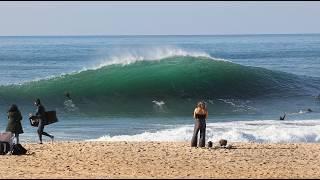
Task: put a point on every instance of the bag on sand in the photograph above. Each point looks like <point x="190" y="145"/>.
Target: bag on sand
<point x="18" y="149"/>
<point x="4" y="147"/>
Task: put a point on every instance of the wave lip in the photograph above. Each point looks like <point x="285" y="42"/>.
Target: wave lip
<point x="151" y="54"/>
<point x="267" y="131"/>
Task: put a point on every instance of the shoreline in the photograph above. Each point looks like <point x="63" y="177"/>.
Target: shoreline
<point x="121" y="159"/>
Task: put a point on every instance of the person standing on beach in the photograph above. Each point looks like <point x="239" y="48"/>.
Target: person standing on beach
<point x="14" y="122"/>
<point x="200" y="115"/>
<point x="40" y="113"/>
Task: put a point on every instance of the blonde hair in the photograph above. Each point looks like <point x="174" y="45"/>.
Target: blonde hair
<point x="201" y="105"/>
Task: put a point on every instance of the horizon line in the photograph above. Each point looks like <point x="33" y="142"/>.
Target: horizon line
<point x="91" y="35"/>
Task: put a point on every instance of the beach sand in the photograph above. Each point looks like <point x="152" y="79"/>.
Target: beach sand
<point x="162" y="160"/>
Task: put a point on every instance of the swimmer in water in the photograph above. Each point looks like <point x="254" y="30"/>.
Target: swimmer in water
<point x="283" y="117"/>
<point x="67" y="94"/>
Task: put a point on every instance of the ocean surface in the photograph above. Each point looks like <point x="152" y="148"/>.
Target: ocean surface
<point x="145" y="88"/>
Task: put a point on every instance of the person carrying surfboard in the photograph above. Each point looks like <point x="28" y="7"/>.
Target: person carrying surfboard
<point x="40" y="114"/>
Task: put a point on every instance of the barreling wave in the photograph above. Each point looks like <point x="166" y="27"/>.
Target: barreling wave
<point x="171" y="79"/>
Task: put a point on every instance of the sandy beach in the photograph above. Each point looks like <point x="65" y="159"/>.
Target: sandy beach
<point x="162" y="160"/>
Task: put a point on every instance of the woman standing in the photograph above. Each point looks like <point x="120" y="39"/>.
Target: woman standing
<point x="200" y="115"/>
<point x="14" y="122"/>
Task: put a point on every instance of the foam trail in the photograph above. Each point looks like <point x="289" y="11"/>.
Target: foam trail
<point x="267" y="131"/>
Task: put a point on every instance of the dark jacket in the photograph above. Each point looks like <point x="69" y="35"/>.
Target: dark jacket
<point x="41" y="112"/>
<point x="14" y="122"/>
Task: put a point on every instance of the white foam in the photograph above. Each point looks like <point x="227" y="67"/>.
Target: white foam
<point x="129" y="56"/>
<point x="266" y="131"/>
<point x="240" y="106"/>
<point x="158" y="103"/>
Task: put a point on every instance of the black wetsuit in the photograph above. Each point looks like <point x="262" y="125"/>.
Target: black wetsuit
<point x="42" y="121"/>
<point x="282" y="118"/>
<point x="200" y="125"/>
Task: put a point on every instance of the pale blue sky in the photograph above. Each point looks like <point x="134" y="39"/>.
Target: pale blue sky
<point x="161" y="18"/>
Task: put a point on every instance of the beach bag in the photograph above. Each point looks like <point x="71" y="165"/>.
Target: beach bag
<point x="223" y="142"/>
<point x="6" y="137"/>
<point x="18" y="149"/>
<point x="6" y="141"/>
<point x="4" y="147"/>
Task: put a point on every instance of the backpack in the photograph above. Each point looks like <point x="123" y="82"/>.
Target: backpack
<point x="18" y="149"/>
<point x="4" y="147"/>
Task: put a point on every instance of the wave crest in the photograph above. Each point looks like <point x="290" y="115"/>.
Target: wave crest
<point x="129" y="56"/>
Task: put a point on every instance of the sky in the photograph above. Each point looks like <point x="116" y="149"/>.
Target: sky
<point x="157" y="18"/>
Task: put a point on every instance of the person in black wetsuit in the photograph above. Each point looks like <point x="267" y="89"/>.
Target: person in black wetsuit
<point x="200" y="115"/>
<point x="40" y="113"/>
<point x="67" y="94"/>
<point x="284" y="116"/>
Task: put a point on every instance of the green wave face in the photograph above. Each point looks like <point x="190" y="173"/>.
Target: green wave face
<point x="179" y="78"/>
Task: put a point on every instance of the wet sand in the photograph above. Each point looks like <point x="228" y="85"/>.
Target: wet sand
<point x="162" y="160"/>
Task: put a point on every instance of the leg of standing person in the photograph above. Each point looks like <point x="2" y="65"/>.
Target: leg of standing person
<point x="202" y="140"/>
<point x="40" y="130"/>
<point x="46" y="134"/>
<point x="17" y="138"/>
<point x="194" y="140"/>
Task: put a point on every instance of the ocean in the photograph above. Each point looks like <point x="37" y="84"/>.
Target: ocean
<point x="145" y="88"/>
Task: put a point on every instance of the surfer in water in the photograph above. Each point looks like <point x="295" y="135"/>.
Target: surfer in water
<point x="283" y="117"/>
<point x="67" y="94"/>
<point x="68" y="103"/>
<point x="41" y="115"/>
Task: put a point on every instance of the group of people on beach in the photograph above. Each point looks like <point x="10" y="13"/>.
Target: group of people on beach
<point x="14" y="121"/>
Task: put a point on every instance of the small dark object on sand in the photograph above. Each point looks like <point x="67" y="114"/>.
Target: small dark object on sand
<point x="223" y="142"/>
<point x="209" y="144"/>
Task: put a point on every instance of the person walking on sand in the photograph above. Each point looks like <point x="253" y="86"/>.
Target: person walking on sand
<point x="40" y="113"/>
<point x="200" y="115"/>
<point x="14" y="122"/>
